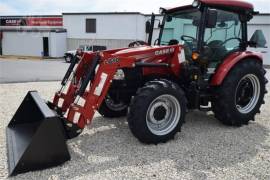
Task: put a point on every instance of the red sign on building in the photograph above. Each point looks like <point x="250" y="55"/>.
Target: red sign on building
<point x="31" y="21"/>
<point x="44" y="21"/>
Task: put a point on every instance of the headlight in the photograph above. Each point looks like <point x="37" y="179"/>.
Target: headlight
<point x="119" y="75"/>
<point x="195" y="56"/>
<point x="195" y="3"/>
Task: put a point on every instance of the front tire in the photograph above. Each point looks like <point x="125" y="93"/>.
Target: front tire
<point x="241" y="95"/>
<point x="157" y="112"/>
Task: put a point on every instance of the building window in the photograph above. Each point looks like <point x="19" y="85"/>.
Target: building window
<point x="91" y="25"/>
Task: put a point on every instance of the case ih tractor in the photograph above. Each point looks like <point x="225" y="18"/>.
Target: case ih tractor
<point x="204" y="64"/>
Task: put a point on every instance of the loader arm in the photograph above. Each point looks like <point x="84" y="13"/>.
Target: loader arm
<point x="75" y="76"/>
<point x="90" y="84"/>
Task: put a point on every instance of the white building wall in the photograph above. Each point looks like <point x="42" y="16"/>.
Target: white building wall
<point x="111" y="26"/>
<point x="57" y="44"/>
<point x="260" y="19"/>
<point x="31" y="43"/>
<point x="22" y="43"/>
<point x="112" y="30"/>
<point x="141" y="34"/>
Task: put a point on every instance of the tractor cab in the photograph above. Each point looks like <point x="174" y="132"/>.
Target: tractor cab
<point x="208" y="30"/>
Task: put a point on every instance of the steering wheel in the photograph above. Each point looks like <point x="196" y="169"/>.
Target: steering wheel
<point x="227" y="40"/>
<point x="187" y="38"/>
<point x="137" y="43"/>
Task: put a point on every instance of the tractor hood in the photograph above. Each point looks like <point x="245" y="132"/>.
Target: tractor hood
<point x="148" y="52"/>
<point x="136" y="49"/>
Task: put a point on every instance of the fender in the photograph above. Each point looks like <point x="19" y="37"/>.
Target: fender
<point x="229" y="62"/>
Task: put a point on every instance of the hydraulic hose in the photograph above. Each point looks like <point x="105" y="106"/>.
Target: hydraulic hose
<point x="89" y="75"/>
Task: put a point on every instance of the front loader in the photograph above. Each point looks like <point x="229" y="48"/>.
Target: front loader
<point x="206" y="67"/>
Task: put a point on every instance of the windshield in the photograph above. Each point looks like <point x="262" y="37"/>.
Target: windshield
<point x="180" y="24"/>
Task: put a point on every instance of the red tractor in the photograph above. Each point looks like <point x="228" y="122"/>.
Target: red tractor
<point x="200" y="61"/>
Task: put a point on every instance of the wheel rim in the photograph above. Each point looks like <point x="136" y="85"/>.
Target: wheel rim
<point x="113" y="105"/>
<point x="163" y="115"/>
<point x="247" y="93"/>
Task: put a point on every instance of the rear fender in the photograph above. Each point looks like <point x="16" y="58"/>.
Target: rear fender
<point x="229" y="62"/>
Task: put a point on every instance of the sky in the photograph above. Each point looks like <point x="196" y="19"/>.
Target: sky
<point x="55" y="7"/>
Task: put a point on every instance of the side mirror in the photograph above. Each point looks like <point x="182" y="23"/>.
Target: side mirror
<point x="211" y="19"/>
<point x="147" y="27"/>
<point x="257" y="40"/>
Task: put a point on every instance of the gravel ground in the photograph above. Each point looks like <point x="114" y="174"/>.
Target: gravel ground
<point x="205" y="149"/>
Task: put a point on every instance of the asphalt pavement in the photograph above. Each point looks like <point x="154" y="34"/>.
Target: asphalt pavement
<point x="16" y="71"/>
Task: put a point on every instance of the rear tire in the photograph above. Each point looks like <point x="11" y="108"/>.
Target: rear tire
<point x="241" y="95"/>
<point x="157" y="112"/>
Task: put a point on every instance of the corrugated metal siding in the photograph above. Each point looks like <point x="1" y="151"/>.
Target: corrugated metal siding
<point x="73" y="43"/>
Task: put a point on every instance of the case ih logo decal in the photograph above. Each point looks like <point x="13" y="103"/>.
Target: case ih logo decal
<point x="13" y="22"/>
<point x="164" y="51"/>
<point x="112" y="61"/>
<point x="32" y="21"/>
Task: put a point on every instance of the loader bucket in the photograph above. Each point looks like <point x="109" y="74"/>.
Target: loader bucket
<point x="35" y="137"/>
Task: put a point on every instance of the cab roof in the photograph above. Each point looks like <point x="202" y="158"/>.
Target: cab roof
<point x="229" y="3"/>
<point x="233" y="5"/>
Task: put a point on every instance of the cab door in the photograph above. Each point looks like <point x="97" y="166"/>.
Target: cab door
<point x="223" y="38"/>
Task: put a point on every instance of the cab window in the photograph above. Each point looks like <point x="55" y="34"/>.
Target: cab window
<point x="182" y="27"/>
<point x="224" y="37"/>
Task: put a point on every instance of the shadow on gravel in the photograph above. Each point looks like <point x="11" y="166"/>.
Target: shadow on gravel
<point x="203" y="143"/>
